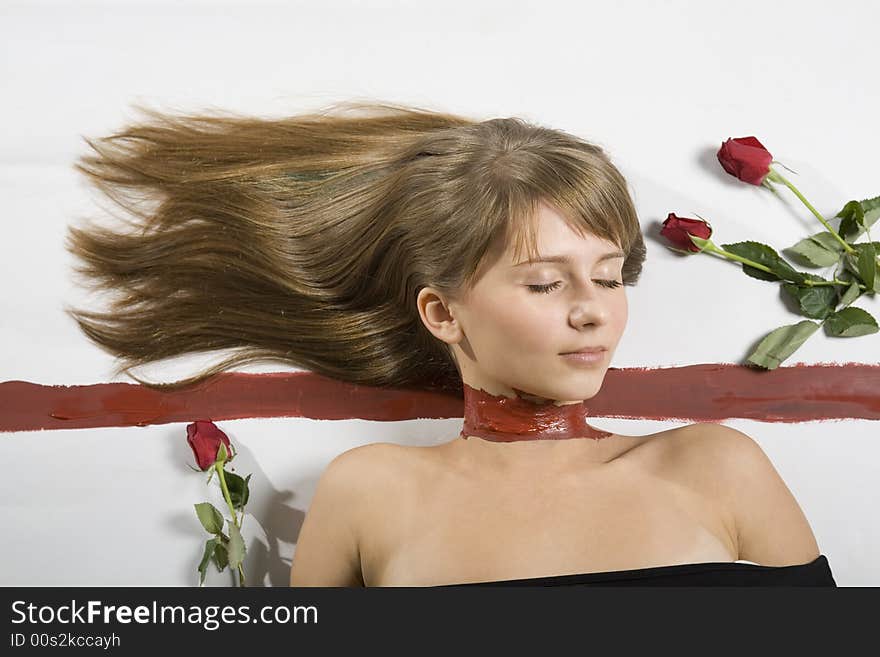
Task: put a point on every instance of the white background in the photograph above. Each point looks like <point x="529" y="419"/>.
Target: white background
<point x="659" y="85"/>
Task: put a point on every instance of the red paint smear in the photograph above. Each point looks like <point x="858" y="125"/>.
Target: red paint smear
<point x="507" y="419"/>
<point x="705" y="392"/>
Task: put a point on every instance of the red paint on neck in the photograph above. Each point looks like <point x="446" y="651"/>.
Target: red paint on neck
<point x="501" y="419"/>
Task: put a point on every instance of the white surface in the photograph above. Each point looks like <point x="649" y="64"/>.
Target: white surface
<point x="658" y="84"/>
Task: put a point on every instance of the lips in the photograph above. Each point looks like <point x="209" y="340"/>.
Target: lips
<point x="585" y="350"/>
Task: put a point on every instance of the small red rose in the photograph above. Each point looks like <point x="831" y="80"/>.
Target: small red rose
<point x="204" y="437"/>
<point x="746" y="158"/>
<point x="677" y="231"/>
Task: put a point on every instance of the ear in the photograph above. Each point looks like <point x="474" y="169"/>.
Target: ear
<point x="435" y="309"/>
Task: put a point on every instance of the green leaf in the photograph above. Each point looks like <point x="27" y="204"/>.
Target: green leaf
<point x="221" y="557"/>
<point x="827" y="241"/>
<point x="817" y="302"/>
<point x="760" y="274"/>
<point x="767" y="256"/>
<point x="210" y="546"/>
<point x="850" y="323"/>
<point x="851" y="264"/>
<point x="236" y="548"/>
<point x="867" y="264"/>
<point x="246" y="491"/>
<point x="852" y="219"/>
<point x="852" y="293"/>
<point x="238" y="489"/>
<point x="210" y="517"/>
<point x="819" y="250"/>
<point x="781" y="343"/>
<point x="857" y="216"/>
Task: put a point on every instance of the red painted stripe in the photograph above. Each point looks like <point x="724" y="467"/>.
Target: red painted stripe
<point x="701" y="393"/>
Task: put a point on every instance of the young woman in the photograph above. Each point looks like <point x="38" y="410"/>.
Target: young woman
<point x="409" y="248"/>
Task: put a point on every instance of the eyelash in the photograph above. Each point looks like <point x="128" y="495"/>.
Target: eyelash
<point x="546" y="289"/>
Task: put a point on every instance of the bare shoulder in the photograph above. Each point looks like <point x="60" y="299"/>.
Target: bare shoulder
<point x="372" y="477"/>
<point x="368" y="473"/>
<point x="356" y="458"/>
<point x="770" y="527"/>
<point x="329" y="544"/>
<point x="373" y="464"/>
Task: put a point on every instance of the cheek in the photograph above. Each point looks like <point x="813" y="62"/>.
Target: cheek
<point x="524" y="326"/>
<point x="620" y="307"/>
<point x="619" y="315"/>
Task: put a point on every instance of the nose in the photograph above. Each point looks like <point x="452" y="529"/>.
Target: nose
<point x="588" y="306"/>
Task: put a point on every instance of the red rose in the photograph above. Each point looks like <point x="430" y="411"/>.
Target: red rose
<point x="676" y="230"/>
<point x="745" y="158"/>
<point x="205" y="437"/>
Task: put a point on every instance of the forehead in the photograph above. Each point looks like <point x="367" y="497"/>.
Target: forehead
<point x="554" y="236"/>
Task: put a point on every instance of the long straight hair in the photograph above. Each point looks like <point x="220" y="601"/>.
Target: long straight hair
<point x="306" y="239"/>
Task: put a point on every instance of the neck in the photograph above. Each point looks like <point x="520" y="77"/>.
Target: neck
<point x="503" y="419"/>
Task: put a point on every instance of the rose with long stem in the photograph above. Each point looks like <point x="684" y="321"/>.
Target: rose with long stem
<point x="213" y="450"/>
<point x="748" y="160"/>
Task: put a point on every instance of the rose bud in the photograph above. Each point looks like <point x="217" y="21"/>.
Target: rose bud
<point x="745" y="158"/>
<point x="678" y="229"/>
<point x="205" y="438"/>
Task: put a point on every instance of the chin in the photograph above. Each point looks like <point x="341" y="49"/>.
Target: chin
<point x="580" y="395"/>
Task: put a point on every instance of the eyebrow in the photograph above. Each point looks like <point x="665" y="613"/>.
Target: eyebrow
<point x="567" y="260"/>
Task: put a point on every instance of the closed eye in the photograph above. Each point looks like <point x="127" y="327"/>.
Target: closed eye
<point x="546" y="289"/>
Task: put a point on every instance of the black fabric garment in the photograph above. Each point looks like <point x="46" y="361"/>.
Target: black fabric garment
<point x="814" y="573"/>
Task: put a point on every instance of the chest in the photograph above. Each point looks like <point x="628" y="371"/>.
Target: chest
<point x="447" y="529"/>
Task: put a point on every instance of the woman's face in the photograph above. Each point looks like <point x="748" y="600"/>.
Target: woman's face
<point x="513" y="326"/>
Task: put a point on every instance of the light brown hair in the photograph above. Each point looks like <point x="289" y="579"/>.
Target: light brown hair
<point x="306" y="239"/>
